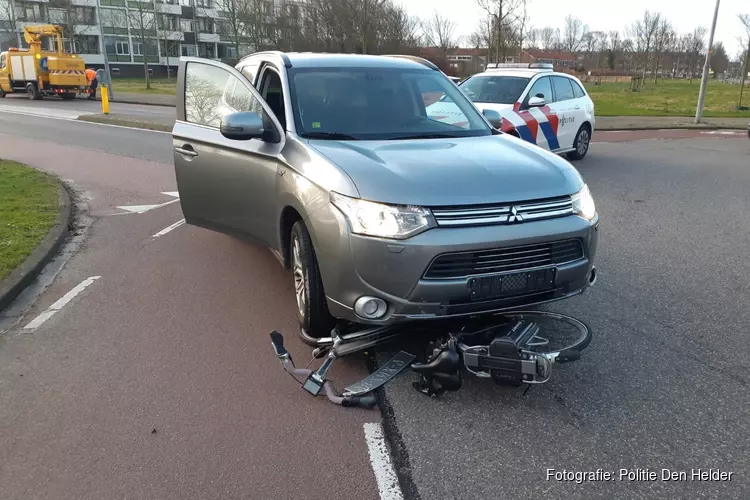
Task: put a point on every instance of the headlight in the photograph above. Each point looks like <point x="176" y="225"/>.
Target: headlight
<point x="385" y="221"/>
<point x="583" y="203"/>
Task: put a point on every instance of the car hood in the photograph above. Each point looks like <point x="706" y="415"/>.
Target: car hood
<point x="462" y="171"/>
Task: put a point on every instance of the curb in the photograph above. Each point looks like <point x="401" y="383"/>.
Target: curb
<point x="671" y="127"/>
<point x="22" y="276"/>
<point x="128" y="101"/>
<point x="123" y="122"/>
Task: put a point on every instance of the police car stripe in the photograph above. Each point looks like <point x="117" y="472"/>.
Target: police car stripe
<point x="550" y="135"/>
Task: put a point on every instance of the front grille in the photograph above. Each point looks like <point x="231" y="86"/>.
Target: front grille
<point x="499" y="260"/>
<point x="478" y="215"/>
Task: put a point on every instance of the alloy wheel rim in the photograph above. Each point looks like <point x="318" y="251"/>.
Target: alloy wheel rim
<point x="300" y="284"/>
<point x="583" y="142"/>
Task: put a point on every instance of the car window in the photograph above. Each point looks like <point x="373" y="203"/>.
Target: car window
<point x="577" y="89"/>
<point x="2" y="61"/>
<point x="379" y="103"/>
<point x="541" y="88"/>
<point x="272" y="92"/>
<point x="212" y="92"/>
<point x="494" y="89"/>
<point x="250" y="71"/>
<point x="563" y="89"/>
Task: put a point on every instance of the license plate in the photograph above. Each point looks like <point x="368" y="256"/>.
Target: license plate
<point x="504" y="285"/>
<point x="382" y="375"/>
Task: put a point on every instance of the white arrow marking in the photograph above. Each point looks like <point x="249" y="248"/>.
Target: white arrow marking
<point x="175" y="194"/>
<point x="138" y="209"/>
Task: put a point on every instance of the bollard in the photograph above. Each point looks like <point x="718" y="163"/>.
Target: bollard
<point x="105" y="99"/>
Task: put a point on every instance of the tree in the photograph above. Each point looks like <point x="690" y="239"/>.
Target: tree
<point x="548" y="37"/>
<point x="504" y="14"/>
<point x="142" y="22"/>
<point x="644" y="32"/>
<point x="745" y="20"/>
<point x="719" y="59"/>
<point x="231" y="25"/>
<point x="663" y="41"/>
<point x="440" y="32"/>
<point x="8" y="15"/>
<point x="614" y="47"/>
<point x="573" y="37"/>
<point x="696" y="42"/>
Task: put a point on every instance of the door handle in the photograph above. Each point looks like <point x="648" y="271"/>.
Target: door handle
<point x="186" y="150"/>
<point x="577" y="107"/>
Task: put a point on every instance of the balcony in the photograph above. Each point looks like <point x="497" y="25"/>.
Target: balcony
<point x="209" y="37"/>
<point x="171" y="35"/>
<point x="167" y="8"/>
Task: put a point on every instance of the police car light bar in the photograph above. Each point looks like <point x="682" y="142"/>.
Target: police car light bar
<point x="521" y="65"/>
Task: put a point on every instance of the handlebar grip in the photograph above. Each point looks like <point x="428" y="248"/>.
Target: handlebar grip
<point x="278" y="343"/>
<point x="367" y="402"/>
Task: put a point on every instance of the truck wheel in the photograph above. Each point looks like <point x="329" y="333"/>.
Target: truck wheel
<point x="33" y="92"/>
<point x="68" y="96"/>
<point x="2" y="93"/>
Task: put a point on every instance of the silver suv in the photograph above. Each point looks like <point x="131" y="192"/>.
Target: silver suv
<point x="382" y="213"/>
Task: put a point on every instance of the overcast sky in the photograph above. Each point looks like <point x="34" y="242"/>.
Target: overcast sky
<point x="603" y="15"/>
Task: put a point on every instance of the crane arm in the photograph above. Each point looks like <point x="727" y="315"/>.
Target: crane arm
<point x="34" y="34"/>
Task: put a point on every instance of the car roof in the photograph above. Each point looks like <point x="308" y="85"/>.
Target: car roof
<point x="325" y="60"/>
<point x="528" y="73"/>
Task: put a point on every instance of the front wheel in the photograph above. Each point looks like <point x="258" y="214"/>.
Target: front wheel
<point x="581" y="143"/>
<point x="312" y="309"/>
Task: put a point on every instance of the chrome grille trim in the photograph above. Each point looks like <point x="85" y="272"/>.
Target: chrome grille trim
<point x="501" y="214"/>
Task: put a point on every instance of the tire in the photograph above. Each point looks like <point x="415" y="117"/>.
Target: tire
<point x="2" y="93"/>
<point x="582" y="143"/>
<point x="33" y="92"/>
<point x="311" y="307"/>
<point x="68" y="96"/>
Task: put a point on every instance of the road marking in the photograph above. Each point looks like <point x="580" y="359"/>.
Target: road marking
<point x="59" y="304"/>
<point x="725" y="132"/>
<point x="64" y="114"/>
<point x="380" y="460"/>
<point x="170" y="228"/>
<point x="175" y="194"/>
<point x="139" y="209"/>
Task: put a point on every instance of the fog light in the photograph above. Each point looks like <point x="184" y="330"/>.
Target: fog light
<point x="370" y="307"/>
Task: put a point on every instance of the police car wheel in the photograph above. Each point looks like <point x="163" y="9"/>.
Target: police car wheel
<point x="581" y="143"/>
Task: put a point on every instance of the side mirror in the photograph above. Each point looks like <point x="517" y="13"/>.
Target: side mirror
<point x="242" y="126"/>
<point x="493" y="117"/>
<point x="536" y="102"/>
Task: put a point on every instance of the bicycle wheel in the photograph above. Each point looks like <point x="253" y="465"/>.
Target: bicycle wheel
<point x="560" y="337"/>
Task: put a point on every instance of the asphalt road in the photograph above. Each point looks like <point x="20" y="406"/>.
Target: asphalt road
<point x="172" y="338"/>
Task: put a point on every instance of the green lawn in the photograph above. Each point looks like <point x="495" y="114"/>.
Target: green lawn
<point x="667" y="98"/>
<point x="28" y="209"/>
<point x="138" y="85"/>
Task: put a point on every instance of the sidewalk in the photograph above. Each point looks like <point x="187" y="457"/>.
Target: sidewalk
<point x="668" y="122"/>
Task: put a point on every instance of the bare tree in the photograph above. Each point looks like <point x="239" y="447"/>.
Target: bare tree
<point x="440" y="32"/>
<point x="719" y="59"/>
<point x="8" y="16"/>
<point x="575" y="31"/>
<point x="696" y="42"/>
<point x="548" y="38"/>
<point x="231" y="24"/>
<point x="142" y="22"/>
<point x="504" y="15"/>
<point x="663" y="41"/>
<point x="614" y="47"/>
<point x="644" y="32"/>
<point x="745" y="20"/>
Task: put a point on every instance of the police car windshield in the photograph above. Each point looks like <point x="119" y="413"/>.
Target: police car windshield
<point x="378" y="104"/>
<point x="496" y="89"/>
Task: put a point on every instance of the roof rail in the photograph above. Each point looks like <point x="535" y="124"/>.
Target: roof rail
<point x="420" y="60"/>
<point x="284" y="58"/>
<point x="546" y="66"/>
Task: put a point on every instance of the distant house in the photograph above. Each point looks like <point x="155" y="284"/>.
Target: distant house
<point x="458" y="61"/>
<point x="561" y="60"/>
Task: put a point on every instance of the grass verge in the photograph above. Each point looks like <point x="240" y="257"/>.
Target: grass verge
<point x="667" y="98"/>
<point x="125" y="122"/>
<point x="28" y="209"/>
<point x="165" y="86"/>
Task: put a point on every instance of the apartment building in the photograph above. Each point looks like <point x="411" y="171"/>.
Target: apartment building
<point x="129" y="31"/>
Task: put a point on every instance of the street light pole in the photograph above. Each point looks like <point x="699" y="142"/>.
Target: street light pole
<point x="103" y="50"/>
<point x="706" y="66"/>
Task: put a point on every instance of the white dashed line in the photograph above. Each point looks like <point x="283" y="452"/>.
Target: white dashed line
<point x="59" y="304"/>
<point x="170" y="228"/>
<point x="380" y="460"/>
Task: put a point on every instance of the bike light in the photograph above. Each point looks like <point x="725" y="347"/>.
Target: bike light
<point x="370" y="307"/>
<point x="583" y="203"/>
<point x="385" y="221"/>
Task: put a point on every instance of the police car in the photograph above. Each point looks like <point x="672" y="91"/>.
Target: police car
<point x="535" y="103"/>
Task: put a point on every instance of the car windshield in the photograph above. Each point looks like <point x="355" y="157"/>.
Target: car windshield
<point x="378" y="104"/>
<point x="494" y="89"/>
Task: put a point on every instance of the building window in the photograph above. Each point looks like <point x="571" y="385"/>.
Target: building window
<point x="114" y="18"/>
<point x="137" y="49"/>
<point x="205" y="25"/>
<point x="122" y="49"/>
<point x="186" y="3"/>
<point x="187" y="50"/>
<point x="206" y="50"/>
<point x="186" y="25"/>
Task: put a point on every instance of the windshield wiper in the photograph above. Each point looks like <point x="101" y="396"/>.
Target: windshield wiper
<point x="334" y="136"/>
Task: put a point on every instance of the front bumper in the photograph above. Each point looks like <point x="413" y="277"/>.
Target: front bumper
<point x="353" y="266"/>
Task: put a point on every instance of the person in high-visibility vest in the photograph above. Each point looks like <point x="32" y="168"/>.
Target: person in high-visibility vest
<point x="93" y="83"/>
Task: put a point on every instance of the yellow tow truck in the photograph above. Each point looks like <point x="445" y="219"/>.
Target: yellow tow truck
<point x="42" y="73"/>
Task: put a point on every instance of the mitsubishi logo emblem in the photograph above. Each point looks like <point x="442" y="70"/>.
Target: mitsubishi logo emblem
<point x="514" y="215"/>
